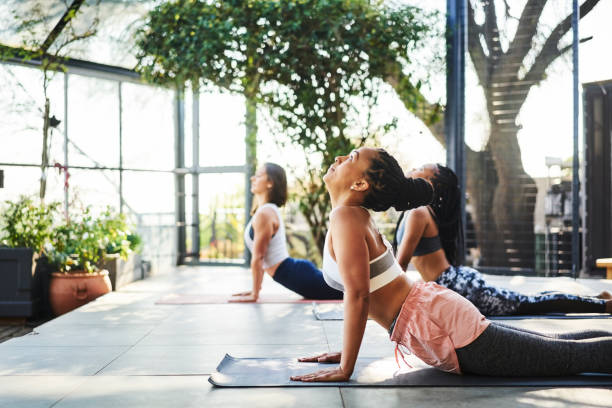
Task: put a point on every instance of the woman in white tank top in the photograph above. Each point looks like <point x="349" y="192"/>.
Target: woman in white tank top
<point x="265" y="237"/>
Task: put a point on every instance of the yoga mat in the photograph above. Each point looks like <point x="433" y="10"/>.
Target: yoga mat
<point x="268" y="372"/>
<point x="209" y="298"/>
<point x="335" y="312"/>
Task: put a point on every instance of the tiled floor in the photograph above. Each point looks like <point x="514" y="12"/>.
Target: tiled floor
<point x="123" y="350"/>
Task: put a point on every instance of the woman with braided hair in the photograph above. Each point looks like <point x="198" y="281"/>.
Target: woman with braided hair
<point x="439" y="326"/>
<point x="430" y="237"/>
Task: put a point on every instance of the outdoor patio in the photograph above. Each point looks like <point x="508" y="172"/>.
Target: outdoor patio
<point x="123" y="350"/>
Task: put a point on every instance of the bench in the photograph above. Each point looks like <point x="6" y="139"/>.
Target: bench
<point x="605" y="263"/>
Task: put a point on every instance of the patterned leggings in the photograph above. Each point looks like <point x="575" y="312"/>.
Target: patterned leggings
<point x="494" y="301"/>
<point x="511" y="352"/>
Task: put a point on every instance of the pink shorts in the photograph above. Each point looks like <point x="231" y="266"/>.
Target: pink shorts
<point x="434" y="321"/>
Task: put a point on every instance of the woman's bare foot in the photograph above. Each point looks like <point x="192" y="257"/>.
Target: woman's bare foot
<point x="605" y="295"/>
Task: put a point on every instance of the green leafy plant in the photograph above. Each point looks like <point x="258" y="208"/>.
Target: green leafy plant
<point x="117" y="235"/>
<point x="26" y="224"/>
<point x="77" y="245"/>
<point x="82" y="243"/>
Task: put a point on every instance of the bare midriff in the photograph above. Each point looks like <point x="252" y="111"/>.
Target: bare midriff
<point x="386" y="302"/>
<point x="432" y="265"/>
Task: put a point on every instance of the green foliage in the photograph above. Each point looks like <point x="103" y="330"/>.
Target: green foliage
<point x="77" y="245"/>
<point x="204" y="42"/>
<point x="118" y="235"/>
<point x="309" y="61"/>
<point x="27" y="224"/>
<point x="82" y="243"/>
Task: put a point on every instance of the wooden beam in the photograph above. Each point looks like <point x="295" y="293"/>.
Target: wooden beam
<point x="605" y="263"/>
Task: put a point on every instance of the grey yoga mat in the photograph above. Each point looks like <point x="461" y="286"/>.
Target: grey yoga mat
<point x="335" y="312"/>
<point x="369" y="372"/>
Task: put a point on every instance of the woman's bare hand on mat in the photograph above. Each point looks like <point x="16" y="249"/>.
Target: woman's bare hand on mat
<point x="322" y="358"/>
<point x="245" y="297"/>
<point x="334" y="374"/>
<point x="248" y="293"/>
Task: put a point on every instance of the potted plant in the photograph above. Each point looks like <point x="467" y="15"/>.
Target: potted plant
<point x="75" y="252"/>
<point x="121" y="245"/>
<point x="25" y="229"/>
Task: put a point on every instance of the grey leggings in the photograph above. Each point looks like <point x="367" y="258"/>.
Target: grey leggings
<point x="512" y="352"/>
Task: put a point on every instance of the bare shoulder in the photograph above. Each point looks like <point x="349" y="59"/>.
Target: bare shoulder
<point x="419" y="212"/>
<point x="419" y="216"/>
<point x="350" y="219"/>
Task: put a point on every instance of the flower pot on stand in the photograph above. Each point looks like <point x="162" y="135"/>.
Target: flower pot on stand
<point x="67" y="291"/>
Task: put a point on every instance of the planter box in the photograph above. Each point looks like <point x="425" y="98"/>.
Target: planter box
<point x="19" y="291"/>
<point x="123" y="272"/>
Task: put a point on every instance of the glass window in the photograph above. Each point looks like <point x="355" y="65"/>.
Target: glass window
<point x="519" y="138"/>
<point x="113" y="43"/>
<point x="93" y="122"/>
<point x="222" y="129"/>
<point x="96" y="188"/>
<point x="12" y="12"/>
<point x="150" y="194"/>
<point x="22" y="104"/>
<point x="222" y="217"/>
<point x="148" y="127"/>
<point x="19" y="181"/>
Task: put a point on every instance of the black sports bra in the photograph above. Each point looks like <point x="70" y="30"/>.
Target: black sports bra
<point x="427" y="245"/>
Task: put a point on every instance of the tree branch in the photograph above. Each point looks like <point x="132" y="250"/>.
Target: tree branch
<point x="61" y="24"/>
<point x="527" y="28"/>
<point x="430" y="113"/>
<point x="491" y="30"/>
<point x="479" y="58"/>
<point x="550" y="51"/>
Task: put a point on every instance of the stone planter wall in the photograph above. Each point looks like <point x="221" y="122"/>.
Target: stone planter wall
<point x="123" y="272"/>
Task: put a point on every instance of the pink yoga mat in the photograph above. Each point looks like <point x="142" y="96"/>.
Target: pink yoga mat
<point x="211" y="298"/>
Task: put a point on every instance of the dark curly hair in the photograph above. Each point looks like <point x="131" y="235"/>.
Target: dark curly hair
<point x="276" y="174"/>
<point x="390" y="188"/>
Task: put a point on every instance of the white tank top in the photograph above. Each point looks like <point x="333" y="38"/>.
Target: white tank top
<point x="383" y="269"/>
<point x="277" y="248"/>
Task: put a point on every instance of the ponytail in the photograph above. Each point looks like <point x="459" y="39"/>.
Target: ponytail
<point x="390" y="188"/>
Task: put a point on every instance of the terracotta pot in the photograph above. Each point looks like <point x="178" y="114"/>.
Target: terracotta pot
<point x="67" y="291"/>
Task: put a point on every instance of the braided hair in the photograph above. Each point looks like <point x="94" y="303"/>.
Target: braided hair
<point x="446" y="207"/>
<point x="390" y="188"/>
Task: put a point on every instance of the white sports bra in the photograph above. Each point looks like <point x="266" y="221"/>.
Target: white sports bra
<point x="383" y="269"/>
<point x="277" y="248"/>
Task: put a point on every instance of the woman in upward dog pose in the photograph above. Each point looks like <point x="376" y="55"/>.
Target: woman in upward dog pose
<point x="430" y="237"/>
<point x="264" y="235"/>
<point x="438" y="325"/>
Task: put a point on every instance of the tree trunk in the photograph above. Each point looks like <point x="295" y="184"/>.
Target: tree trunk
<point x="250" y="141"/>
<point x="513" y="202"/>
<point x="315" y="205"/>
